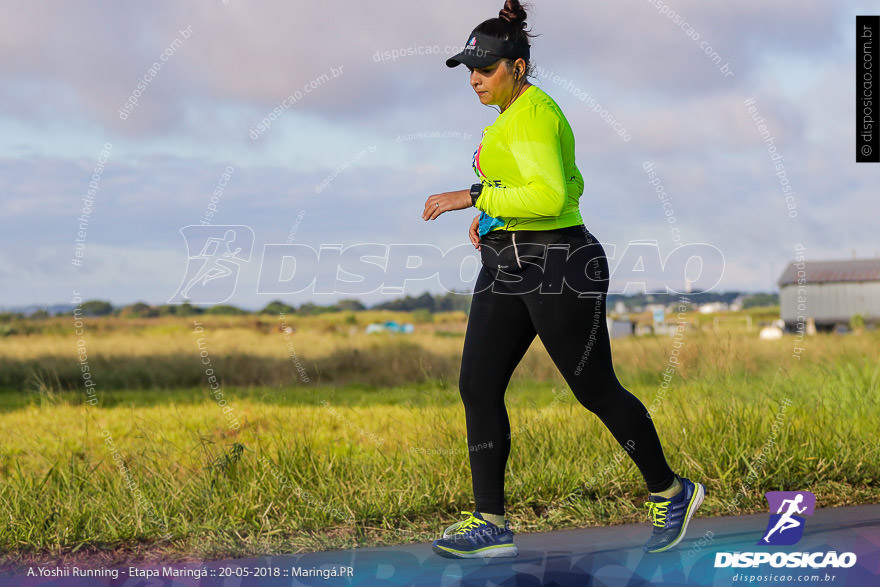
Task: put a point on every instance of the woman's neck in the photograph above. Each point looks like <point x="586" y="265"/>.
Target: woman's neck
<point x="525" y="87"/>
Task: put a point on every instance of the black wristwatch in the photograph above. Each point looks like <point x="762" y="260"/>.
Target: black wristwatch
<point x="476" y="190"/>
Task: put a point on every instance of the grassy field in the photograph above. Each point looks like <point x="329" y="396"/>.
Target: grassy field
<point x="329" y="438"/>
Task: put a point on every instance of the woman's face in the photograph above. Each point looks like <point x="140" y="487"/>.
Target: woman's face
<point x="493" y="84"/>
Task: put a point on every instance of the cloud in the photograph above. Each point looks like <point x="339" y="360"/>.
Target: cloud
<point x="669" y="47"/>
<point x="253" y="56"/>
<point x="396" y="125"/>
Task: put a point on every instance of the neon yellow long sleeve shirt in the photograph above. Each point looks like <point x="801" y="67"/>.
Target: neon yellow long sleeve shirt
<point x="525" y="162"/>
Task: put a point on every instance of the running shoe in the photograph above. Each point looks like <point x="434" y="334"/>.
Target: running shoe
<point x="671" y="516"/>
<point x="448" y="532"/>
<point x="475" y="537"/>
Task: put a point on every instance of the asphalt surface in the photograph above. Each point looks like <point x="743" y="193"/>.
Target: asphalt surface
<point x="607" y="556"/>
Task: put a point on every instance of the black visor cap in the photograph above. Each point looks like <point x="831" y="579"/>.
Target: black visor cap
<point x="482" y="51"/>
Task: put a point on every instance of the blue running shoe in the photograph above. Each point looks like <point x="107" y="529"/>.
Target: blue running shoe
<point x="475" y="538"/>
<point x="671" y="516"/>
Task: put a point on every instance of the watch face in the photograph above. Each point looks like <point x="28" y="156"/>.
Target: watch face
<point x="475" y="192"/>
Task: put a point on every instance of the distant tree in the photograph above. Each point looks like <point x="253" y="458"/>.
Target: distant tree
<point x="452" y="302"/>
<point x="760" y="300"/>
<point x="310" y="309"/>
<point x="448" y="302"/>
<point x="139" y="310"/>
<point x="96" y="308"/>
<point x="40" y="314"/>
<point x="225" y="310"/>
<point x="409" y="304"/>
<point x="187" y="309"/>
<point x="184" y="309"/>
<point x="424" y="302"/>
<point x="350" y="306"/>
<point x="278" y="307"/>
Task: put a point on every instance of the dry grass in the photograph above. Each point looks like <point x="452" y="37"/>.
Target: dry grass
<point x="333" y="464"/>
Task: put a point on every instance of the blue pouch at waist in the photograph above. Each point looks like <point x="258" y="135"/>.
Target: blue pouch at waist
<point x="487" y="223"/>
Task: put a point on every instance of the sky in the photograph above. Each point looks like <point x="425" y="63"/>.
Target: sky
<point x="717" y="132"/>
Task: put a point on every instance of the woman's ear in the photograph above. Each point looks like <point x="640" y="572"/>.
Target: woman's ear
<point x="519" y="68"/>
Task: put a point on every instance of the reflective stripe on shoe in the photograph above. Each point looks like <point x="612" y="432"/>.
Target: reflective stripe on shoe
<point x="494" y="551"/>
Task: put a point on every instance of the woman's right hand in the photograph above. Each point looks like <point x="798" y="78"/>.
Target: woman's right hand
<point x="475" y="236"/>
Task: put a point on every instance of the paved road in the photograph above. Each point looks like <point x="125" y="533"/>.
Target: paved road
<point x="609" y="556"/>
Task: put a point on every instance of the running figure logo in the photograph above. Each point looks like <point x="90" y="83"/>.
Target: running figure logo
<point x="212" y="272"/>
<point x="786" y="526"/>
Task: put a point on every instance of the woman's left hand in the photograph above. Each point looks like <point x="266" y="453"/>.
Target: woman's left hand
<point x="439" y="203"/>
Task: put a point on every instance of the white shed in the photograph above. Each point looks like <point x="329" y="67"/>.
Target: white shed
<point x="830" y="292"/>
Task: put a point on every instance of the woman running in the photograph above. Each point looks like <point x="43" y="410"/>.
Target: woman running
<point x="542" y="273"/>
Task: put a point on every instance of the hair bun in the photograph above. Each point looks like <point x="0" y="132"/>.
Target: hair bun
<point x="514" y="13"/>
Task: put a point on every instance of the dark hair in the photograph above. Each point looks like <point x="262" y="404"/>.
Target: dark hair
<point x="509" y="26"/>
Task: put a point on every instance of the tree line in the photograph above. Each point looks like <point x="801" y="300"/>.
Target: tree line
<point x="424" y="303"/>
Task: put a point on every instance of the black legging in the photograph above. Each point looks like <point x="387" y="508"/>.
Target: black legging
<point x="503" y="321"/>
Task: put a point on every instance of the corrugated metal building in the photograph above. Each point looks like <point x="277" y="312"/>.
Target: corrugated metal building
<point x="830" y="292"/>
